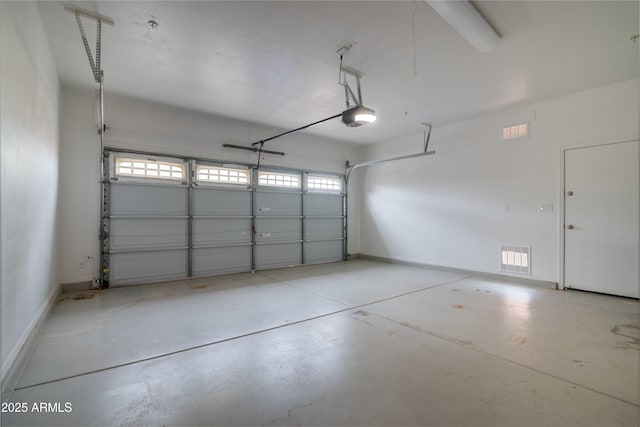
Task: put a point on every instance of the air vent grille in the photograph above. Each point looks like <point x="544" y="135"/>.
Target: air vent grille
<point x="516" y="131"/>
<point x="516" y="259"/>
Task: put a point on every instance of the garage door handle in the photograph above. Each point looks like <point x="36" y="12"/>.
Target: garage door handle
<point x="570" y="227"/>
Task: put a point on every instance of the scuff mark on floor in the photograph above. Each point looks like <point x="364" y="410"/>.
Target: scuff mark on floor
<point x="290" y="413"/>
<point x="627" y="331"/>
<point x="458" y="306"/>
<point x="519" y="340"/>
<point x="80" y="296"/>
<point x="578" y="362"/>
<point x="362" y="313"/>
<point x="631" y="333"/>
<point x="104" y="317"/>
<point x="68" y="333"/>
<point x="435" y="334"/>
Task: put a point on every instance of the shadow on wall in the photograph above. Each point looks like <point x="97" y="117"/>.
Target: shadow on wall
<point x="372" y="241"/>
<point x="450" y="210"/>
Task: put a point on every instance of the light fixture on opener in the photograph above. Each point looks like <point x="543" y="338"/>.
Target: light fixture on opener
<point x="358" y="116"/>
<point x="354" y="116"/>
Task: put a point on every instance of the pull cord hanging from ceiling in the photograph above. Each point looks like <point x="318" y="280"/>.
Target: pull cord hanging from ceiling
<point x="98" y="76"/>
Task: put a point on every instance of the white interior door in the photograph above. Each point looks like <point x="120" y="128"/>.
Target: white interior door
<point x="601" y="227"/>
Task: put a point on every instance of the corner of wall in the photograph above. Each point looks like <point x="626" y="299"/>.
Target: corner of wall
<point x="17" y="359"/>
<point x="29" y="202"/>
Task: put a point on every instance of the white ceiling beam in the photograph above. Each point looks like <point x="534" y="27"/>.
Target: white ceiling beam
<point x="467" y="21"/>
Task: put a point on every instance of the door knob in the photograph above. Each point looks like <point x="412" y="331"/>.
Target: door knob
<point x="570" y="227"/>
<point x="569" y="193"/>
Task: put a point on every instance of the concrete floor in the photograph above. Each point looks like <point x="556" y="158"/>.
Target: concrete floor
<point x="353" y="343"/>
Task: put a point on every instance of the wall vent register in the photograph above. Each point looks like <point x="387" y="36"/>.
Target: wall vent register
<point x="516" y="131"/>
<point x="516" y="259"/>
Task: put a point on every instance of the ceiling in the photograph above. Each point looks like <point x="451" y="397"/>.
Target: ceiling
<point x="274" y="62"/>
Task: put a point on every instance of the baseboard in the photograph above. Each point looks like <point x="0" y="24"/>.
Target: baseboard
<point x="17" y="359"/>
<point x="481" y="274"/>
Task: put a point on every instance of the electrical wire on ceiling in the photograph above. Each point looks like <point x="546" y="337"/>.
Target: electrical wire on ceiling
<point x="342" y="76"/>
<point x="342" y="79"/>
<point x="260" y="154"/>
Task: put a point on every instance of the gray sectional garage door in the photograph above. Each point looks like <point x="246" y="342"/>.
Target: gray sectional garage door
<point x="323" y="227"/>
<point x="278" y="228"/>
<point x="147" y="232"/>
<point x="204" y="219"/>
<point x="221" y="231"/>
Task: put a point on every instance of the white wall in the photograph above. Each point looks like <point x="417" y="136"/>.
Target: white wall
<point x="139" y="125"/>
<point x="29" y="178"/>
<point x="449" y="209"/>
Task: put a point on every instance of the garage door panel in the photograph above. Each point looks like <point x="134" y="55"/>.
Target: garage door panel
<point x="129" y="199"/>
<point x="323" y="204"/>
<point x="278" y="229"/>
<point x="324" y="251"/>
<point x="223" y="260"/>
<point x="144" y="267"/>
<point x="217" y="202"/>
<point x="323" y="228"/>
<point x="221" y="230"/>
<point x="147" y="233"/>
<point x="278" y="204"/>
<point x="163" y="229"/>
<point x="278" y="255"/>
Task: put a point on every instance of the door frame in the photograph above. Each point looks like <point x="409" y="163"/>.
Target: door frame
<point x="562" y="193"/>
